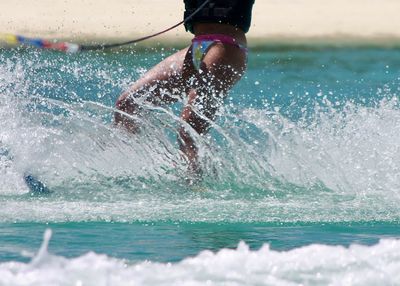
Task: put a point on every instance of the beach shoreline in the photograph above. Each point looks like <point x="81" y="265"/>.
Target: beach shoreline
<point x="293" y="22"/>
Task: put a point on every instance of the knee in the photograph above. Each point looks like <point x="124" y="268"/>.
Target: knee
<point x="126" y="104"/>
<point x="197" y="121"/>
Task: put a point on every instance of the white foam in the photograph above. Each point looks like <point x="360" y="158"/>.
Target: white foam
<point x="310" y="265"/>
<point x="259" y="166"/>
<point x="349" y="150"/>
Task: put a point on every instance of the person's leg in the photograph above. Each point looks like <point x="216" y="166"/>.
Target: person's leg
<point x="221" y="68"/>
<point x="159" y="85"/>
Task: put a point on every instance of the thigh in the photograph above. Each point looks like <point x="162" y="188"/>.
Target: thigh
<point x="222" y="66"/>
<point x="162" y="83"/>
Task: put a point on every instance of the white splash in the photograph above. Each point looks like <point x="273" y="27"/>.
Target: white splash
<point x="342" y="165"/>
<point x="310" y="265"/>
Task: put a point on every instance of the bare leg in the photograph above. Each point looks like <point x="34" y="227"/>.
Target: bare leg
<point x="221" y="68"/>
<point x="157" y="86"/>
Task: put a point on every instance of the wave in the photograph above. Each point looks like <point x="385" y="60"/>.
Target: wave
<point x="309" y="265"/>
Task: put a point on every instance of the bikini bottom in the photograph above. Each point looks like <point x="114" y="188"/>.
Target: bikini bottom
<point x="202" y="43"/>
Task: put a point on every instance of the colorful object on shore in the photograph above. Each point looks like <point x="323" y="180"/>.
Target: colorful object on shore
<point x="10" y="39"/>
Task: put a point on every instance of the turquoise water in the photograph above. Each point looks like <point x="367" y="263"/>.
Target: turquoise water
<point x="301" y="174"/>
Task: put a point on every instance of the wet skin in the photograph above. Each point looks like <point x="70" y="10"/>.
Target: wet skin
<point x="221" y="67"/>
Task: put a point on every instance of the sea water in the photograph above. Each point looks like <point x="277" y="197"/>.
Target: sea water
<point x="301" y="174"/>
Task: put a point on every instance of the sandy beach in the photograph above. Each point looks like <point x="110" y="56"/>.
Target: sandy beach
<point x="274" y="21"/>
